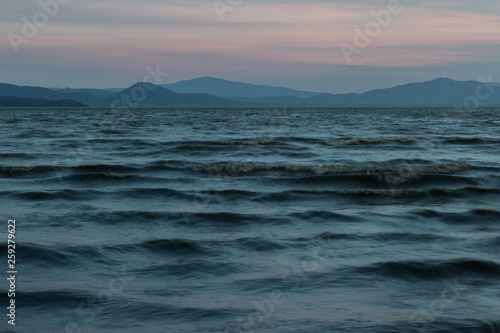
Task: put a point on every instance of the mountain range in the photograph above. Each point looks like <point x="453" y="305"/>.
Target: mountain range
<point x="225" y="88"/>
<point x="213" y="92"/>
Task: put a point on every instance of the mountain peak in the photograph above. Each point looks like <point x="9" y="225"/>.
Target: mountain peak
<point x="443" y="80"/>
<point x="225" y="88"/>
<point x="142" y="84"/>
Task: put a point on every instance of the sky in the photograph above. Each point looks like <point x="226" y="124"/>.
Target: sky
<point x="333" y="46"/>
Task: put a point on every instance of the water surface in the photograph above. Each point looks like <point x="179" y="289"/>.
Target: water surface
<point x="254" y="220"/>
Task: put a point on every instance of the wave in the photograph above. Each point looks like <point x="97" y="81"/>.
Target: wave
<point x="370" y="141"/>
<point x="221" y="145"/>
<point x="431" y="270"/>
<point x="18" y="155"/>
<point x="111" y="131"/>
<point x="259" y="244"/>
<point x="192" y="268"/>
<point x="100" y="176"/>
<point x="62" y="256"/>
<point x="326" y="169"/>
<point x="213" y="196"/>
<point x="387" y="174"/>
<point x="67" y="194"/>
<point x="367" y="192"/>
<point x="436" y="192"/>
<point x="323" y="215"/>
<point x="391" y="179"/>
<point x="483" y="190"/>
<point x="92" y="195"/>
<point x="53" y="298"/>
<point x="253" y="142"/>
<point x="184" y="247"/>
<point x="494" y="242"/>
<point x="181" y="218"/>
<point x="397" y="237"/>
<point x="380" y="272"/>
<point x="174" y="246"/>
<point x="423" y="323"/>
<point x="230" y="219"/>
<point x="489" y="245"/>
<point x="475" y="216"/>
<point x="98" y="168"/>
<point x="237" y="142"/>
<point x="120" y="142"/>
<point x="26" y="169"/>
<point x="470" y="141"/>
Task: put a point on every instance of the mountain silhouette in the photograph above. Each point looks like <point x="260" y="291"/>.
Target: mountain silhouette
<point x="438" y="92"/>
<point x="225" y="88"/>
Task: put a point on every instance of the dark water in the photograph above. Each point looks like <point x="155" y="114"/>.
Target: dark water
<point x="354" y="220"/>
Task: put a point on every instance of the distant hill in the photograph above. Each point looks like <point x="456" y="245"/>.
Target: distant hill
<point x="28" y="92"/>
<point x="438" y="92"/>
<point x="159" y="96"/>
<point x="45" y="93"/>
<point x="115" y="90"/>
<point x="101" y="93"/>
<point x="156" y="96"/>
<point x="23" y="102"/>
<point x="225" y="88"/>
